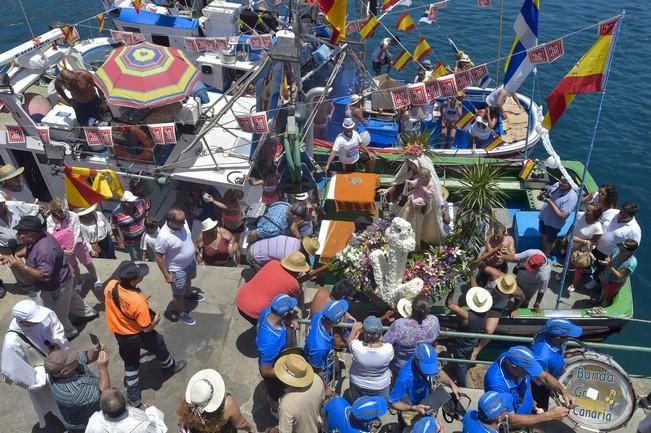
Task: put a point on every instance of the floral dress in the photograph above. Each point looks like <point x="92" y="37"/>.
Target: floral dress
<point x="405" y="334"/>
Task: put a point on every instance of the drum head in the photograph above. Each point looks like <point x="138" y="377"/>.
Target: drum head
<point x="603" y="392"/>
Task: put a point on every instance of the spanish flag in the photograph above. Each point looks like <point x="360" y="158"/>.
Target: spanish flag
<point x="137" y="5"/>
<point x="335" y="13"/>
<point x="465" y="120"/>
<point x="585" y="77"/>
<point x="68" y="33"/>
<point x="369" y="27"/>
<point x="401" y="61"/>
<point x="495" y="142"/>
<point x="405" y="23"/>
<point x="87" y="186"/>
<point x="101" y="21"/>
<point x="285" y="84"/>
<point x="439" y="71"/>
<point x="422" y="49"/>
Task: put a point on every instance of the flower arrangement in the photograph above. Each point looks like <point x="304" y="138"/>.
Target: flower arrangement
<point x="441" y="267"/>
<point x="416" y="144"/>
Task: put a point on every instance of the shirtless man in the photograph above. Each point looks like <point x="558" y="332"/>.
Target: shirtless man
<point x="84" y="91"/>
<point x="499" y="242"/>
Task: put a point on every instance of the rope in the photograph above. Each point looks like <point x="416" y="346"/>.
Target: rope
<point x="29" y="26"/>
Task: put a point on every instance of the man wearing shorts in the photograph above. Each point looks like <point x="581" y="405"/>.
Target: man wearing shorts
<point x="560" y="201"/>
<point x="175" y="258"/>
<point x="350" y="148"/>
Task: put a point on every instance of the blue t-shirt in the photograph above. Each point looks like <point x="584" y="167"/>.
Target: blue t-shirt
<point x="565" y="202"/>
<point x="337" y="413"/>
<point x="550" y="357"/>
<point x="620" y="265"/>
<point x="319" y="347"/>
<point x="415" y="387"/>
<point x="496" y="379"/>
<point x="269" y="341"/>
<point x="471" y="423"/>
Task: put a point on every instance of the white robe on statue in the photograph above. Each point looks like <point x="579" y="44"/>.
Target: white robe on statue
<point x="22" y="365"/>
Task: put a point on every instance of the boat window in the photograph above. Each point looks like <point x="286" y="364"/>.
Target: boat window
<point x="161" y="40"/>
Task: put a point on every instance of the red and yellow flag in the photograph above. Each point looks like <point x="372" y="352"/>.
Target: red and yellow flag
<point x="495" y="142"/>
<point x="585" y="77"/>
<point x="101" y="21"/>
<point x="439" y="70"/>
<point x="401" y="61"/>
<point x="137" y="5"/>
<point x="422" y="49"/>
<point x="369" y="27"/>
<point x="465" y="120"/>
<point x="335" y="13"/>
<point x="389" y="4"/>
<point x="405" y="23"/>
<point x="87" y="186"/>
<point x="68" y="33"/>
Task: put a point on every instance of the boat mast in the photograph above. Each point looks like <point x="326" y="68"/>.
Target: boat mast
<point x="499" y="44"/>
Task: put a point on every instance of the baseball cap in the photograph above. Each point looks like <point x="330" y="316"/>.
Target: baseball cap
<point x="335" y="310"/>
<point x="534" y="262"/>
<point x="427" y="361"/>
<point x="59" y="360"/>
<point x="129" y="270"/>
<point x="368" y="408"/>
<point x="129" y="197"/>
<point x="425" y="425"/>
<point x="493" y="404"/>
<point x="562" y="328"/>
<point x="283" y="304"/>
<point x="521" y="356"/>
<point x="372" y="325"/>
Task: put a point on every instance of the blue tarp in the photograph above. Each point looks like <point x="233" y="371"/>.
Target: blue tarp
<point x="153" y="19"/>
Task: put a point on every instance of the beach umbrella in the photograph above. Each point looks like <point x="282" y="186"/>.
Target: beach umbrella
<point x="146" y="76"/>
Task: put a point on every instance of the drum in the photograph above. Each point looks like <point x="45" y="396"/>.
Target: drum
<point x="605" y="398"/>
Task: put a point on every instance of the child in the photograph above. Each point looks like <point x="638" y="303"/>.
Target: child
<point x="619" y="267"/>
<point x="423" y="189"/>
<point x="148" y="240"/>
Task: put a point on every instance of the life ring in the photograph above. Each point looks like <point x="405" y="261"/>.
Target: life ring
<point x="142" y="151"/>
<point x="604" y="394"/>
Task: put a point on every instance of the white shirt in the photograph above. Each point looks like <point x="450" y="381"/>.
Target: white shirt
<point x="25" y="194"/>
<point x="15" y="211"/>
<point x="151" y="420"/>
<point x="347" y="148"/>
<point x="480" y="129"/>
<point x="148" y="242"/>
<point x="538" y="280"/>
<point x="176" y="246"/>
<point x="615" y="232"/>
<point x="370" y="367"/>
<point x="586" y="231"/>
<point x="97" y="230"/>
<point x="380" y="52"/>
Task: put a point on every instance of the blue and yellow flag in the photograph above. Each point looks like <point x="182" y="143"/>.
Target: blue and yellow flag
<point x="518" y="66"/>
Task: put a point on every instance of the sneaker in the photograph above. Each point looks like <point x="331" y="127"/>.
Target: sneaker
<point x="591" y="284"/>
<point x="187" y="319"/>
<point x="74" y="334"/>
<point x="98" y="285"/>
<point x="196" y="297"/>
<point x="136" y="404"/>
<point x="178" y="366"/>
<point x="571" y="288"/>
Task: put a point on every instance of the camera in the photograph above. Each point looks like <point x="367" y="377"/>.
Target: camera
<point x="544" y="195"/>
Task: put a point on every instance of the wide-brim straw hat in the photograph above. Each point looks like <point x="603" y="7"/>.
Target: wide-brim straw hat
<point x="295" y="262"/>
<point x="310" y="245"/>
<point x="506" y="284"/>
<point x="86" y="210"/>
<point x="8" y="171"/>
<point x="293" y="370"/>
<point x="445" y="193"/>
<point x="404" y="307"/>
<point x="354" y="99"/>
<point x="208" y="224"/>
<point x="479" y="299"/>
<point x="206" y="389"/>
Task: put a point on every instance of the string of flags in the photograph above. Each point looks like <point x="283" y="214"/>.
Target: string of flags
<point x="546" y="53"/>
<point x="255" y="123"/>
<point x="431" y="12"/>
<point x="128" y="38"/>
<point x="256" y="42"/>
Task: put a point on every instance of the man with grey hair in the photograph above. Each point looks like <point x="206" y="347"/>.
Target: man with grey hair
<point x="116" y="417"/>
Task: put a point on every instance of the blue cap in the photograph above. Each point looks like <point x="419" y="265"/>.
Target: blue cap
<point x="335" y="310"/>
<point x="522" y="357"/>
<point x="493" y="404"/>
<point x="283" y="304"/>
<point x="425" y="425"/>
<point x="372" y="325"/>
<point x="562" y="328"/>
<point x="368" y="408"/>
<point x="428" y="363"/>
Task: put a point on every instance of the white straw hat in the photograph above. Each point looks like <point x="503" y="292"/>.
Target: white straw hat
<point x="206" y="390"/>
<point x="404" y="307"/>
<point x="208" y="224"/>
<point x="479" y="299"/>
<point x="129" y="197"/>
<point x="86" y="210"/>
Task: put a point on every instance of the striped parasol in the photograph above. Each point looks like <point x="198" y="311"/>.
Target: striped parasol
<point x="146" y="76"/>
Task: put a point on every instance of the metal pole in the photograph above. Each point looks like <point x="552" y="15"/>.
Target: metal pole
<point x="529" y="118"/>
<point x="499" y="45"/>
<point x="570" y="241"/>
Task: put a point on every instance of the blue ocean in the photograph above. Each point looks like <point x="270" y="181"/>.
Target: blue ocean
<point x="621" y="151"/>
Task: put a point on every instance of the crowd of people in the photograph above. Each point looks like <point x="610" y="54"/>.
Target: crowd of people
<point x="395" y="370"/>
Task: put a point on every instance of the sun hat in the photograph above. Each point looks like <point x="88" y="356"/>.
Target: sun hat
<point x="372" y="325"/>
<point x="335" y="310"/>
<point x="354" y="99"/>
<point x="294" y="371"/>
<point x="8" y="171"/>
<point x="208" y="224"/>
<point x="479" y="299"/>
<point x="128" y="196"/>
<point x="521" y="356"/>
<point x="404" y="307"/>
<point x="58" y="360"/>
<point x="464" y="57"/>
<point x="427" y="361"/>
<point x="534" y="262"/>
<point x="367" y="408"/>
<point x="205" y="390"/>
<point x="630" y="245"/>
<point x="129" y="270"/>
<point x="427" y="64"/>
<point x="348" y="123"/>
<point x="492" y="404"/>
<point x="29" y="311"/>
<point x="425" y="425"/>
<point x="295" y="262"/>
<point x="29" y="223"/>
<point x="86" y="210"/>
<point x="506" y="284"/>
<point x="562" y="328"/>
<point x="310" y="245"/>
<point x="283" y="304"/>
<point x="445" y="193"/>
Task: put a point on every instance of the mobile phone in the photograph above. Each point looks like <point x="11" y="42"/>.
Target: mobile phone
<point x="94" y="339"/>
